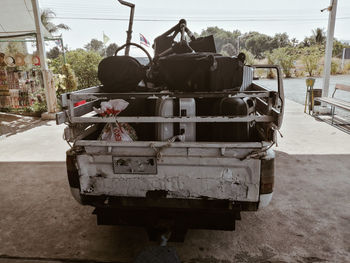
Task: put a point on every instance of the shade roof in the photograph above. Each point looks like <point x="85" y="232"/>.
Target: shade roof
<point x="17" y="18"/>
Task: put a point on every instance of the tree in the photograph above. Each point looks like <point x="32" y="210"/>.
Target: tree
<point x="84" y="65"/>
<point x="294" y="42"/>
<point x="46" y="17"/>
<point x="110" y="50"/>
<point x="338" y="47"/>
<point x="53" y="53"/>
<point x="285" y="58"/>
<point x="222" y="37"/>
<point x="96" y="46"/>
<point x="280" y="40"/>
<point x="310" y="58"/>
<point x="307" y="42"/>
<point x="70" y="81"/>
<point x="254" y="42"/>
<point x="249" y="57"/>
<point x="258" y="44"/>
<point x="228" y="50"/>
<point x="319" y="36"/>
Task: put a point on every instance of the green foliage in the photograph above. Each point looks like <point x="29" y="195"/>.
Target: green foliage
<point x="53" y="53"/>
<point x="110" y="50"/>
<point x="319" y="36"/>
<point x="334" y="67"/>
<point x="285" y="58"/>
<point x="310" y="58"/>
<point x="39" y="107"/>
<point x="338" y="48"/>
<point x="70" y="81"/>
<point x="347" y="67"/>
<point x="270" y="61"/>
<point x="84" y="65"/>
<point x="55" y="64"/>
<point x="39" y="104"/>
<point x="227" y="42"/>
<point x="258" y="44"/>
<point x="222" y="37"/>
<point x="96" y="46"/>
<point x="46" y="16"/>
<point x="280" y="40"/>
<point x="249" y="57"/>
<point x="228" y="50"/>
<point x="59" y="85"/>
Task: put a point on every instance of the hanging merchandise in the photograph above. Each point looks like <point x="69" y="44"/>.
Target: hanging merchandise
<point x="36" y="61"/>
<point x="12" y="80"/>
<point x="28" y="60"/>
<point x="19" y="58"/>
<point x="2" y="60"/>
<point x="4" y="91"/>
<point x="10" y="61"/>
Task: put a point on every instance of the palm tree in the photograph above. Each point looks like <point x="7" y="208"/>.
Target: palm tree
<point x="319" y="35"/>
<point x="46" y="17"/>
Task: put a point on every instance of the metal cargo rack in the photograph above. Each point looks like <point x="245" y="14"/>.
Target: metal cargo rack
<point x="85" y="114"/>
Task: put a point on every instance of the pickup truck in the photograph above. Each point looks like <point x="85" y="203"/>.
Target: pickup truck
<point x="173" y="185"/>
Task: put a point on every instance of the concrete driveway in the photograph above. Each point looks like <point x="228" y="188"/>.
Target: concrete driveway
<point x="307" y="221"/>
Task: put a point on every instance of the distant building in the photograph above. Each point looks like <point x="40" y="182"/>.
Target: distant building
<point x="346" y="53"/>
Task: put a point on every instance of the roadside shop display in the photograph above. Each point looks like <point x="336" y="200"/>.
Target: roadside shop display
<point x="10" y="61"/>
<point x="19" y="59"/>
<point x="19" y="80"/>
<point x="36" y="61"/>
<point x="28" y="60"/>
<point x="4" y="90"/>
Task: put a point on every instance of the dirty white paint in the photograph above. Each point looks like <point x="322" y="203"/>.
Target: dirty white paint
<point x="265" y="200"/>
<point x="182" y="177"/>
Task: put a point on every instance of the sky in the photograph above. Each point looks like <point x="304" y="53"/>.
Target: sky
<point x="89" y="19"/>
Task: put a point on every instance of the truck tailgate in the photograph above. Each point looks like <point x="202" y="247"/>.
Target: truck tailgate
<point x="182" y="170"/>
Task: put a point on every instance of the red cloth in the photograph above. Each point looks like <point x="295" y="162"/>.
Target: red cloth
<point x="79" y="103"/>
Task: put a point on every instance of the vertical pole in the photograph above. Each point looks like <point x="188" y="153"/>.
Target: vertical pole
<point x="238" y="44"/>
<point x="50" y="92"/>
<point x="329" y="47"/>
<point x="129" y="32"/>
<point x="131" y="20"/>
<point x="63" y="53"/>
<point x="342" y="60"/>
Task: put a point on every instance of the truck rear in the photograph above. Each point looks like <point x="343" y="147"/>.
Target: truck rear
<point x="215" y="165"/>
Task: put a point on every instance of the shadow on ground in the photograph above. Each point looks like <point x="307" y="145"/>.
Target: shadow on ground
<point x="307" y="221"/>
<point x="11" y="124"/>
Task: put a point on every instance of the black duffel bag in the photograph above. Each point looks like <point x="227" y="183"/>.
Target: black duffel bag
<point x="201" y="71"/>
<point x="227" y="75"/>
<point x="121" y="73"/>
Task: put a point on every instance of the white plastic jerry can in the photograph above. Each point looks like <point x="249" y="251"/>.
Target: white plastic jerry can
<point x="170" y="107"/>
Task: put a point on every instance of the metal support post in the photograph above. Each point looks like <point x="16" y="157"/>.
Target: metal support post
<point x="329" y="46"/>
<point x="50" y="92"/>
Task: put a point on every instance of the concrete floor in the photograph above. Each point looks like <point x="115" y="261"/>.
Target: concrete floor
<point x="307" y="221"/>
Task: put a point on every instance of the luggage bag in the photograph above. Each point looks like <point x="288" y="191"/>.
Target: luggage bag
<point x="202" y="71"/>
